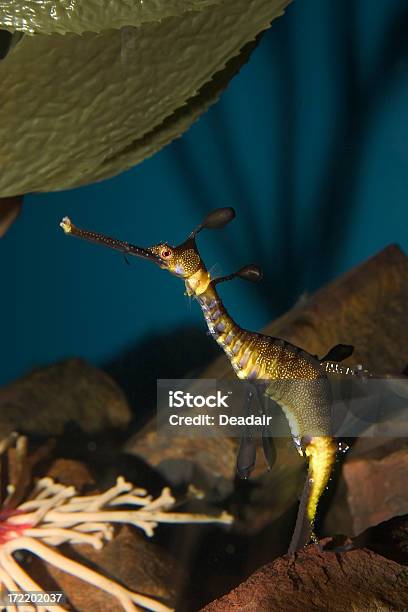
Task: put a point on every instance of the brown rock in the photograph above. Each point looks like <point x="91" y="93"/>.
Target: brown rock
<point x="130" y="558"/>
<point x="389" y="539"/>
<point x="69" y="472"/>
<point x="376" y="489"/>
<point x="9" y="210"/>
<point x="197" y="460"/>
<point x="44" y="401"/>
<point x="316" y="579"/>
<point x="372" y="488"/>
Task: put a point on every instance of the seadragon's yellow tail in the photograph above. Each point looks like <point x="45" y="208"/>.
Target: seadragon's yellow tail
<point x="321" y="454"/>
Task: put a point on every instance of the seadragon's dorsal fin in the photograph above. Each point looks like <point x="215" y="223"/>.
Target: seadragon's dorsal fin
<point x="338" y="353"/>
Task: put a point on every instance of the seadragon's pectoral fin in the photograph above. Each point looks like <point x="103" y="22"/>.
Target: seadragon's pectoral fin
<point x="246" y="458"/>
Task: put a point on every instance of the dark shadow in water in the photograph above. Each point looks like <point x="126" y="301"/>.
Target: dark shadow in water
<point x="283" y="268"/>
<point x="5" y="43"/>
<point x="277" y="255"/>
<point x="363" y="100"/>
<point x="181" y="352"/>
<point x="332" y="200"/>
<point x="219" y="560"/>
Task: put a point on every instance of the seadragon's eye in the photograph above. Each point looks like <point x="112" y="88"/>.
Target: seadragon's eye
<point x="166" y="253"/>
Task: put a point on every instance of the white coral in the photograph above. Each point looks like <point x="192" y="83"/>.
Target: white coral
<point x="56" y="514"/>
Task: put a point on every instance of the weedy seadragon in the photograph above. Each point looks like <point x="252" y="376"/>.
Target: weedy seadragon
<point x="295" y="379"/>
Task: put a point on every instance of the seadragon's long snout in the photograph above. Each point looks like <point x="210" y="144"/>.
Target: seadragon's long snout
<point x="112" y="243"/>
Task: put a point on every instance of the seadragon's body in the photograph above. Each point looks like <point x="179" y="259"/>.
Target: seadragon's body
<point x="293" y="378"/>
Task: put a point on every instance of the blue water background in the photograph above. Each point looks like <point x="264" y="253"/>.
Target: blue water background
<point x="309" y="144"/>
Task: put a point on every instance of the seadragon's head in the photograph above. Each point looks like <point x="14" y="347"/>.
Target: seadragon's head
<point x="183" y="260"/>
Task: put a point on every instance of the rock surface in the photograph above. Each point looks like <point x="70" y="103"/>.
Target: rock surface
<point x="130" y="558"/>
<point x="69" y="392"/>
<point x="377" y="489"/>
<point x="372" y="487"/>
<point x="9" y="210"/>
<point x="389" y="539"/>
<point x="316" y="579"/>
